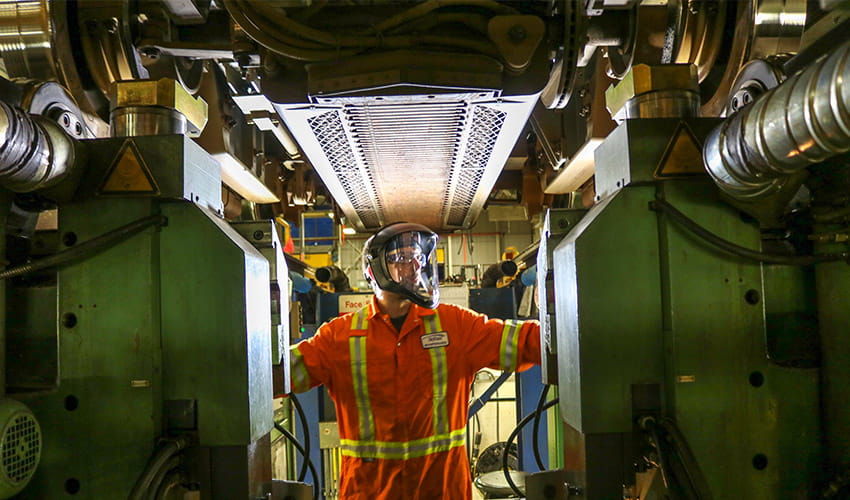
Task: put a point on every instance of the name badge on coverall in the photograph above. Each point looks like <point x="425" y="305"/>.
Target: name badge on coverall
<point x="433" y="340"/>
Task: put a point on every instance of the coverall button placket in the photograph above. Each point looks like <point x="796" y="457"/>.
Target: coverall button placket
<point x="397" y="381"/>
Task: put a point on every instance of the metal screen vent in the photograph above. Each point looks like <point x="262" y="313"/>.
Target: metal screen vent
<point x="21" y="444"/>
<point x="360" y="190"/>
<point x="486" y="126"/>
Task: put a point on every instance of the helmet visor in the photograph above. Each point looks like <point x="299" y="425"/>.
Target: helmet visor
<point x="411" y="263"/>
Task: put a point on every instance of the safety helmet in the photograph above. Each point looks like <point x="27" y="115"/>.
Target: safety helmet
<point x="401" y="258"/>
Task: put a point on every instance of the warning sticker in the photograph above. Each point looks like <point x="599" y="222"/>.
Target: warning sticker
<point x="682" y="157"/>
<point x="128" y="174"/>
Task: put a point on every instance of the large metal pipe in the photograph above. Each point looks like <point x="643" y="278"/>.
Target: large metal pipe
<point x="803" y="121"/>
<point x="35" y="152"/>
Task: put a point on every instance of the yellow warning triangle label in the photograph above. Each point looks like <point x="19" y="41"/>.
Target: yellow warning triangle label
<point x="683" y="156"/>
<point x="128" y="174"/>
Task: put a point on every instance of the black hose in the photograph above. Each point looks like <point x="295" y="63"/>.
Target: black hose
<point x="513" y="435"/>
<point x="171" y="479"/>
<point x="156" y="482"/>
<point x="663" y="464"/>
<point x="686" y="457"/>
<point x="303" y="419"/>
<point x="87" y="248"/>
<point x="737" y="250"/>
<point x="687" y="489"/>
<point x="309" y="462"/>
<point x="159" y="459"/>
<point x="537" y="415"/>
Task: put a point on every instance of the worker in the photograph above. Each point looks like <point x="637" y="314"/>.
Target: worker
<point x="399" y="372"/>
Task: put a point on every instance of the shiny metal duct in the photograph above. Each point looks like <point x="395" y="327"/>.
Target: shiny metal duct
<point x="35" y="152"/>
<point x="803" y="121"/>
<point x="425" y="158"/>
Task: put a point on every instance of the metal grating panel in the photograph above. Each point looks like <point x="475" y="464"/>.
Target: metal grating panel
<point x="467" y="186"/>
<point x="486" y="126"/>
<point x="360" y="189"/>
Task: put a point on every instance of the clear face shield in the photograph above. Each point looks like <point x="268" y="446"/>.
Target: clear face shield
<point x="411" y="260"/>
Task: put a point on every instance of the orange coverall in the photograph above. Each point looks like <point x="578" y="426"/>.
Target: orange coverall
<point x="402" y="397"/>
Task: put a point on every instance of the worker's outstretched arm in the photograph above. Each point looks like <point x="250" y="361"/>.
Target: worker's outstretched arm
<point x="493" y="343"/>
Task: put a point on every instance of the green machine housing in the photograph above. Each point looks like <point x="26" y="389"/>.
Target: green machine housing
<point x="654" y="323"/>
<point x="167" y="333"/>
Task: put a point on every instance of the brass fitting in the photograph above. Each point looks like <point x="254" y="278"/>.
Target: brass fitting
<point x="164" y="93"/>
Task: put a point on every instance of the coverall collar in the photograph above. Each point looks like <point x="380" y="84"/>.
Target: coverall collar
<point x="414" y="309"/>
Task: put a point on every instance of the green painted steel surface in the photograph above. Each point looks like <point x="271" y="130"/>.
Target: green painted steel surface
<point x="735" y="407"/>
<point x="31" y="338"/>
<point x="216" y="328"/>
<point x="100" y="426"/>
<point x="833" y="290"/>
<point x="265" y="236"/>
<point x="608" y="314"/>
<point x="556" y="224"/>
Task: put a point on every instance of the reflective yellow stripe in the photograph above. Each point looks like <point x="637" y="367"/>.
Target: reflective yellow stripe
<point x="439" y="377"/>
<point x="509" y="346"/>
<point x="357" y="350"/>
<point x="402" y="450"/>
<point x="298" y="370"/>
<point x="358" y="321"/>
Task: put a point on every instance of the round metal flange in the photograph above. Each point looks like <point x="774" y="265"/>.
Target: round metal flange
<point x="132" y="121"/>
<point x="182" y="69"/>
<point x="37" y="42"/>
<point x="701" y="34"/>
<point x="763" y="28"/>
<point x="755" y="78"/>
<point x="620" y="57"/>
<point x="734" y="52"/>
<point x="189" y="73"/>
<point x="673" y="32"/>
<point x="557" y="92"/>
<point x="651" y="25"/>
<point x="106" y="39"/>
<point x="51" y="100"/>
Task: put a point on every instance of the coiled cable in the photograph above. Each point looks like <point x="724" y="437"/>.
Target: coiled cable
<point x="307" y="459"/>
<point x="513" y="436"/>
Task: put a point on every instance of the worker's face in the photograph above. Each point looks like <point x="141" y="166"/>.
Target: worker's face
<point x="404" y="265"/>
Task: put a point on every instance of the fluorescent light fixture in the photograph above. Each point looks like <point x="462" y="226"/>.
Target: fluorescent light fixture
<point x="578" y="171"/>
<point x="241" y="180"/>
<point x="349" y="230"/>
